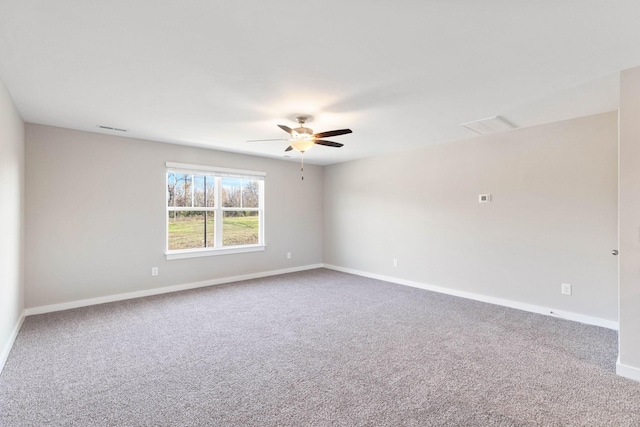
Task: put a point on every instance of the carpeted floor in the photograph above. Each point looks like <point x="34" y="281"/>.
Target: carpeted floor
<point x="315" y="348"/>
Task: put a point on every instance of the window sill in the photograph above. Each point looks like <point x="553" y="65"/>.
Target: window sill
<point x="197" y="253"/>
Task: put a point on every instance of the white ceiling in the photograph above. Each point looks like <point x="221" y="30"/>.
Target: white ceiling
<point x="401" y="74"/>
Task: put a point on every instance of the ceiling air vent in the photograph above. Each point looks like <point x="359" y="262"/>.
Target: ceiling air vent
<point x="111" y="128"/>
<point x="489" y="125"/>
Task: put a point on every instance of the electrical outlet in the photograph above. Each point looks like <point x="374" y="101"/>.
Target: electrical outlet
<point x="395" y="262"/>
<point x="288" y="255"/>
<point x="154" y="271"/>
<point x="565" y="289"/>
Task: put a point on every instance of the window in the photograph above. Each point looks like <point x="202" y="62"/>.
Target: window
<point x="212" y="211"/>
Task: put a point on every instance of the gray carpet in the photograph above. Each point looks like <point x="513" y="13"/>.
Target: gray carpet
<point x="316" y="348"/>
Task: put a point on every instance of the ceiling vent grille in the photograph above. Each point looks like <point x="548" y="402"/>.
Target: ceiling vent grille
<point x="489" y="125"/>
<point x="112" y="128"/>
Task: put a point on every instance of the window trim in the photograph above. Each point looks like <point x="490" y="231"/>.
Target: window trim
<point x="202" y="252"/>
<point x="218" y="172"/>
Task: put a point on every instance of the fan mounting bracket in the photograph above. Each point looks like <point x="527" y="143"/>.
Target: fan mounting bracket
<point x="306" y="118"/>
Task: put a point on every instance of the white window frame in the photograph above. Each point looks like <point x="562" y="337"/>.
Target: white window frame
<point x="218" y="174"/>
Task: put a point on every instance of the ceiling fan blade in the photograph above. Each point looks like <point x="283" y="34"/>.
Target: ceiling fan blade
<point x="332" y="133"/>
<point x="289" y="148"/>
<point x="327" y="143"/>
<point x="286" y="129"/>
<point x="260" y="140"/>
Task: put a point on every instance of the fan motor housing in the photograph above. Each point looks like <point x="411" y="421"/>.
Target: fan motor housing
<point x="303" y="133"/>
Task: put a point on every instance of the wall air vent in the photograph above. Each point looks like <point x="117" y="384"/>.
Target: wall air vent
<point x="111" y="128"/>
<point x="489" y="125"/>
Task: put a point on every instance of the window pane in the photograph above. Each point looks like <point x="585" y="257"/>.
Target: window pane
<point x="240" y="228"/>
<point x="211" y="228"/>
<point x="211" y="191"/>
<point x="186" y="230"/>
<point x="198" y="191"/>
<point x="171" y="188"/>
<point x="231" y="192"/>
<point x="250" y="193"/>
<point x="179" y="189"/>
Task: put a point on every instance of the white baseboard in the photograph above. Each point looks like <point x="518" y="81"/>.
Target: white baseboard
<point x="9" y="344"/>
<point x="590" y="320"/>
<point x="156" y="291"/>
<point x="627" y="371"/>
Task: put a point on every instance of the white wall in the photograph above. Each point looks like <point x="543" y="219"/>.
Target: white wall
<point x="629" y="358"/>
<point x="12" y="220"/>
<point x="553" y="218"/>
<point x="95" y="215"/>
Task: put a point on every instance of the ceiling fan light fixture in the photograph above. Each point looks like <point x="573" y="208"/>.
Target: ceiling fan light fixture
<point x="303" y="138"/>
<point x="302" y="145"/>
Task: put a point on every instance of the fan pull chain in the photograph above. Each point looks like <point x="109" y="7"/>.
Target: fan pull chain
<point x="302" y="166"/>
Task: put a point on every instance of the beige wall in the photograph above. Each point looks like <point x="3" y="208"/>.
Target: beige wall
<point x="12" y="220"/>
<point x="95" y="216"/>
<point x="630" y="223"/>
<point x="553" y="218"/>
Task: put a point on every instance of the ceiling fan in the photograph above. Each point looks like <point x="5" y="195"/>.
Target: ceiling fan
<point x="303" y="138"/>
